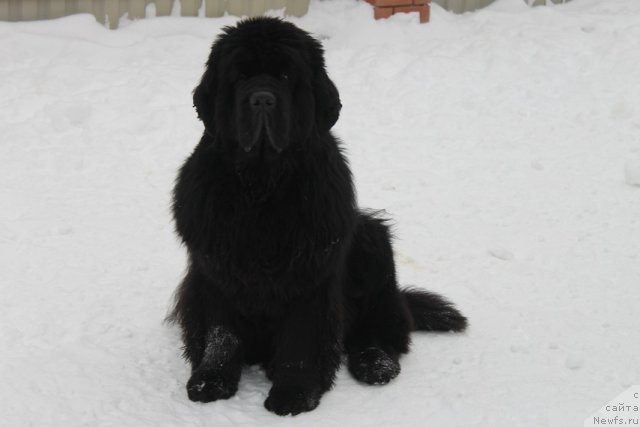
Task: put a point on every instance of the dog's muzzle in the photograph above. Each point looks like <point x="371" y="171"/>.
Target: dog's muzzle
<point x="262" y="100"/>
<point x="263" y="110"/>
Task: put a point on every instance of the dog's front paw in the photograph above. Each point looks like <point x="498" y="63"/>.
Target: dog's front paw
<point x="208" y="385"/>
<point x="292" y="400"/>
<point x="373" y="366"/>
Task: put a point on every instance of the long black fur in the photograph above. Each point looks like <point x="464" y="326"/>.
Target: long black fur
<point x="284" y="270"/>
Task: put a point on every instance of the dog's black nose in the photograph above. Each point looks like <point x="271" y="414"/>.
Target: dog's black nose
<point x="262" y="100"/>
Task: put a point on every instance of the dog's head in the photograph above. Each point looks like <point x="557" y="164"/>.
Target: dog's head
<point x="265" y="88"/>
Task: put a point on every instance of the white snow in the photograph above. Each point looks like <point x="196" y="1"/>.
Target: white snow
<point x="502" y="131"/>
<point x="574" y="362"/>
<point x="501" y="253"/>
<point x="632" y="172"/>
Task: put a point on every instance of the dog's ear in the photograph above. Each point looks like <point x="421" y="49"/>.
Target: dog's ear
<point x="204" y="98"/>
<point x="205" y="94"/>
<point x="327" y="100"/>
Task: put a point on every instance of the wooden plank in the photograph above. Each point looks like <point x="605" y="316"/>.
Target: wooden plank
<point x="28" y="10"/>
<point x="56" y="8"/>
<point x="42" y="9"/>
<point x="296" y="7"/>
<point x="163" y="7"/>
<point x="123" y="9"/>
<point x="189" y="7"/>
<point x="276" y="4"/>
<point x="112" y="12"/>
<point x="84" y="6"/>
<point x="255" y="7"/>
<point x="456" y="6"/>
<point x="214" y="8"/>
<point x="4" y="10"/>
<point x="14" y="10"/>
<point x="470" y="5"/>
<point x="137" y="9"/>
<point x="236" y="7"/>
<point x="100" y="10"/>
<point x="70" y="7"/>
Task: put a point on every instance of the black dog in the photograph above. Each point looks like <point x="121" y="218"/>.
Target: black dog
<point x="284" y="270"/>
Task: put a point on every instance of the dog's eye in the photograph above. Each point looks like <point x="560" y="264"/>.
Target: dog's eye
<point x="283" y="76"/>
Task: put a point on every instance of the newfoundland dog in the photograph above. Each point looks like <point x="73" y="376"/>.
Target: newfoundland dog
<point x="284" y="270"/>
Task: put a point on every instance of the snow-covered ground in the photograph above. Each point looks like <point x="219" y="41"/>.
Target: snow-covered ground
<point x="504" y="143"/>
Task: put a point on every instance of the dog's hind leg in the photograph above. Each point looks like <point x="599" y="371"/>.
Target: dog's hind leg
<point x="372" y="353"/>
<point x="210" y="343"/>
<point x="380" y="321"/>
<point x="382" y="315"/>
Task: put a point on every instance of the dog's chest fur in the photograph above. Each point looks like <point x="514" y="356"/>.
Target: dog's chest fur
<point x="267" y="246"/>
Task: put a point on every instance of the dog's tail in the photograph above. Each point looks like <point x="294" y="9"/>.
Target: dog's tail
<point x="432" y="312"/>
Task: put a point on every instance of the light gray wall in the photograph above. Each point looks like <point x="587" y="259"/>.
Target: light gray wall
<point x="544" y="2"/>
<point x="111" y="10"/>
<point x="461" y="6"/>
